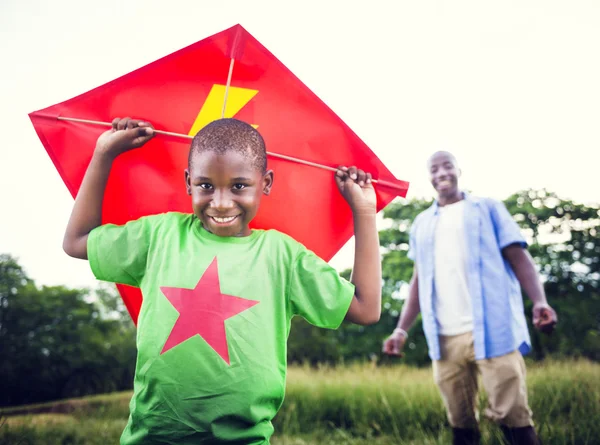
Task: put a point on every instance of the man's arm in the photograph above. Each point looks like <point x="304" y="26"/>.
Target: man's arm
<point x="87" y="210"/>
<point x="544" y="317"/>
<point x="394" y="344"/>
<point x="412" y="307"/>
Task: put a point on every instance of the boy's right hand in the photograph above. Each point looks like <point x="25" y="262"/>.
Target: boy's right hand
<point x="125" y="134"/>
<point x="394" y="344"/>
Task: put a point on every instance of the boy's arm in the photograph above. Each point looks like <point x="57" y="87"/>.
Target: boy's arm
<point x="355" y="185"/>
<point x="125" y="135"/>
<point x="544" y="317"/>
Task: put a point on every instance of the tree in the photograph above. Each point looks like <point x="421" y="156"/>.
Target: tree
<point x="565" y="243"/>
<point x="353" y="342"/>
<point x="563" y="238"/>
<point x="57" y="342"/>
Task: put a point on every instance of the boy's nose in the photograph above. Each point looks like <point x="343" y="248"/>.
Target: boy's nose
<point x="222" y="201"/>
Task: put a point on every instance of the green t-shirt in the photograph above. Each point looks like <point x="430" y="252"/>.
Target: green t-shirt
<point x="214" y="322"/>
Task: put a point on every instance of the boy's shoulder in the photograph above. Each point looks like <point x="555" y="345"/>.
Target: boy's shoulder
<point x="284" y="242"/>
<point x="277" y="236"/>
<point x="167" y="218"/>
<point x="180" y="219"/>
<point x="167" y="222"/>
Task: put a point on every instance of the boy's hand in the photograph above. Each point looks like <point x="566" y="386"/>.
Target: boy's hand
<point x="125" y="135"/>
<point x="544" y="317"/>
<point x="356" y="188"/>
<point x="394" y="344"/>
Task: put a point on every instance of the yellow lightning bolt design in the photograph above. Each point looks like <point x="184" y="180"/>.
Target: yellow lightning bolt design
<point x="211" y="110"/>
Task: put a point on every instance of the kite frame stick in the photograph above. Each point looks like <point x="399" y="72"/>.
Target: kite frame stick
<point x="274" y="155"/>
<point x="227" y="86"/>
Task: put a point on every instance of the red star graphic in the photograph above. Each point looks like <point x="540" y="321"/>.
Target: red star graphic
<point x="203" y="311"/>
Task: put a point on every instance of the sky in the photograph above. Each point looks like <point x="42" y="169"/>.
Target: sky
<point x="511" y="88"/>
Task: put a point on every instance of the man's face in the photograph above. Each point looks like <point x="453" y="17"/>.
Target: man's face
<point x="444" y="173"/>
<point x="226" y="190"/>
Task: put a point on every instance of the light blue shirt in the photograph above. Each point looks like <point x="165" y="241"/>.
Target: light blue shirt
<point x="499" y="325"/>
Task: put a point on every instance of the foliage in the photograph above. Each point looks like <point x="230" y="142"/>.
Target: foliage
<point x="58" y="342"/>
<point x="350" y="405"/>
<point x="564" y="241"/>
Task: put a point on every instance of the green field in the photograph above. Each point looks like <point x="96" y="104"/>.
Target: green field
<point x="344" y="405"/>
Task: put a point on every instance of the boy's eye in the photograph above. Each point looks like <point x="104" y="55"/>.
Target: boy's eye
<point x="239" y="186"/>
<point x="205" y="186"/>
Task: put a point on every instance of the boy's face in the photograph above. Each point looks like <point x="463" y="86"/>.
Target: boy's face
<point x="444" y="174"/>
<point x="226" y="190"/>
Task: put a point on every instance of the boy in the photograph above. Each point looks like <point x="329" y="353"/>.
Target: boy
<point x="218" y="296"/>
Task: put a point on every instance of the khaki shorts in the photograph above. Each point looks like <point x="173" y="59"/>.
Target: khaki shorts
<point x="503" y="378"/>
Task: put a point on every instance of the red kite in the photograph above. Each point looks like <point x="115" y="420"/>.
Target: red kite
<point x="229" y="74"/>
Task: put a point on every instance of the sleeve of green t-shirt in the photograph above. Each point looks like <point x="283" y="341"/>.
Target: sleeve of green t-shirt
<point x="317" y="292"/>
<point x="118" y="253"/>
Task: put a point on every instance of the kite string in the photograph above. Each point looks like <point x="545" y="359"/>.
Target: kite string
<point x="227" y="87"/>
<point x="274" y="155"/>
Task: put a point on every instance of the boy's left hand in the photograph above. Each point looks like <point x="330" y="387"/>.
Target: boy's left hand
<point x="356" y="188"/>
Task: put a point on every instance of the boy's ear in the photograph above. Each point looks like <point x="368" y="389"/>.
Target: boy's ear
<point x="267" y="182"/>
<point x="188" y="185"/>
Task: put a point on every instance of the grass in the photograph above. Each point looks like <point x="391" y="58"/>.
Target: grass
<point x="348" y="405"/>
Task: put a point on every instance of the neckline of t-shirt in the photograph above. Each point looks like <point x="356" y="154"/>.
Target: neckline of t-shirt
<point x="452" y="205"/>
<point x="203" y="233"/>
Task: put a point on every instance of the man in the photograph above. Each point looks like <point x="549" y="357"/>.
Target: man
<point x="470" y="258"/>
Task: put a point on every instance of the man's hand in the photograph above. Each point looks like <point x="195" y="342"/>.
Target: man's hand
<point x="126" y="134"/>
<point x="356" y="188"/>
<point x="394" y="344"/>
<point x="544" y="317"/>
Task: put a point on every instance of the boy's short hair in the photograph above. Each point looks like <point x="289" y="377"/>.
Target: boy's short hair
<point x="231" y="134"/>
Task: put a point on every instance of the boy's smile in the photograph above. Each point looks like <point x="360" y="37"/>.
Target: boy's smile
<point x="226" y="190"/>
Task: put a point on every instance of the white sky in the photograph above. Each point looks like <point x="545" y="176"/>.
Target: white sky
<point x="512" y="88"/>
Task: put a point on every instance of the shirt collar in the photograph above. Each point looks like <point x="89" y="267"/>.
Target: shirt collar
<point x="436" y="207"/>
